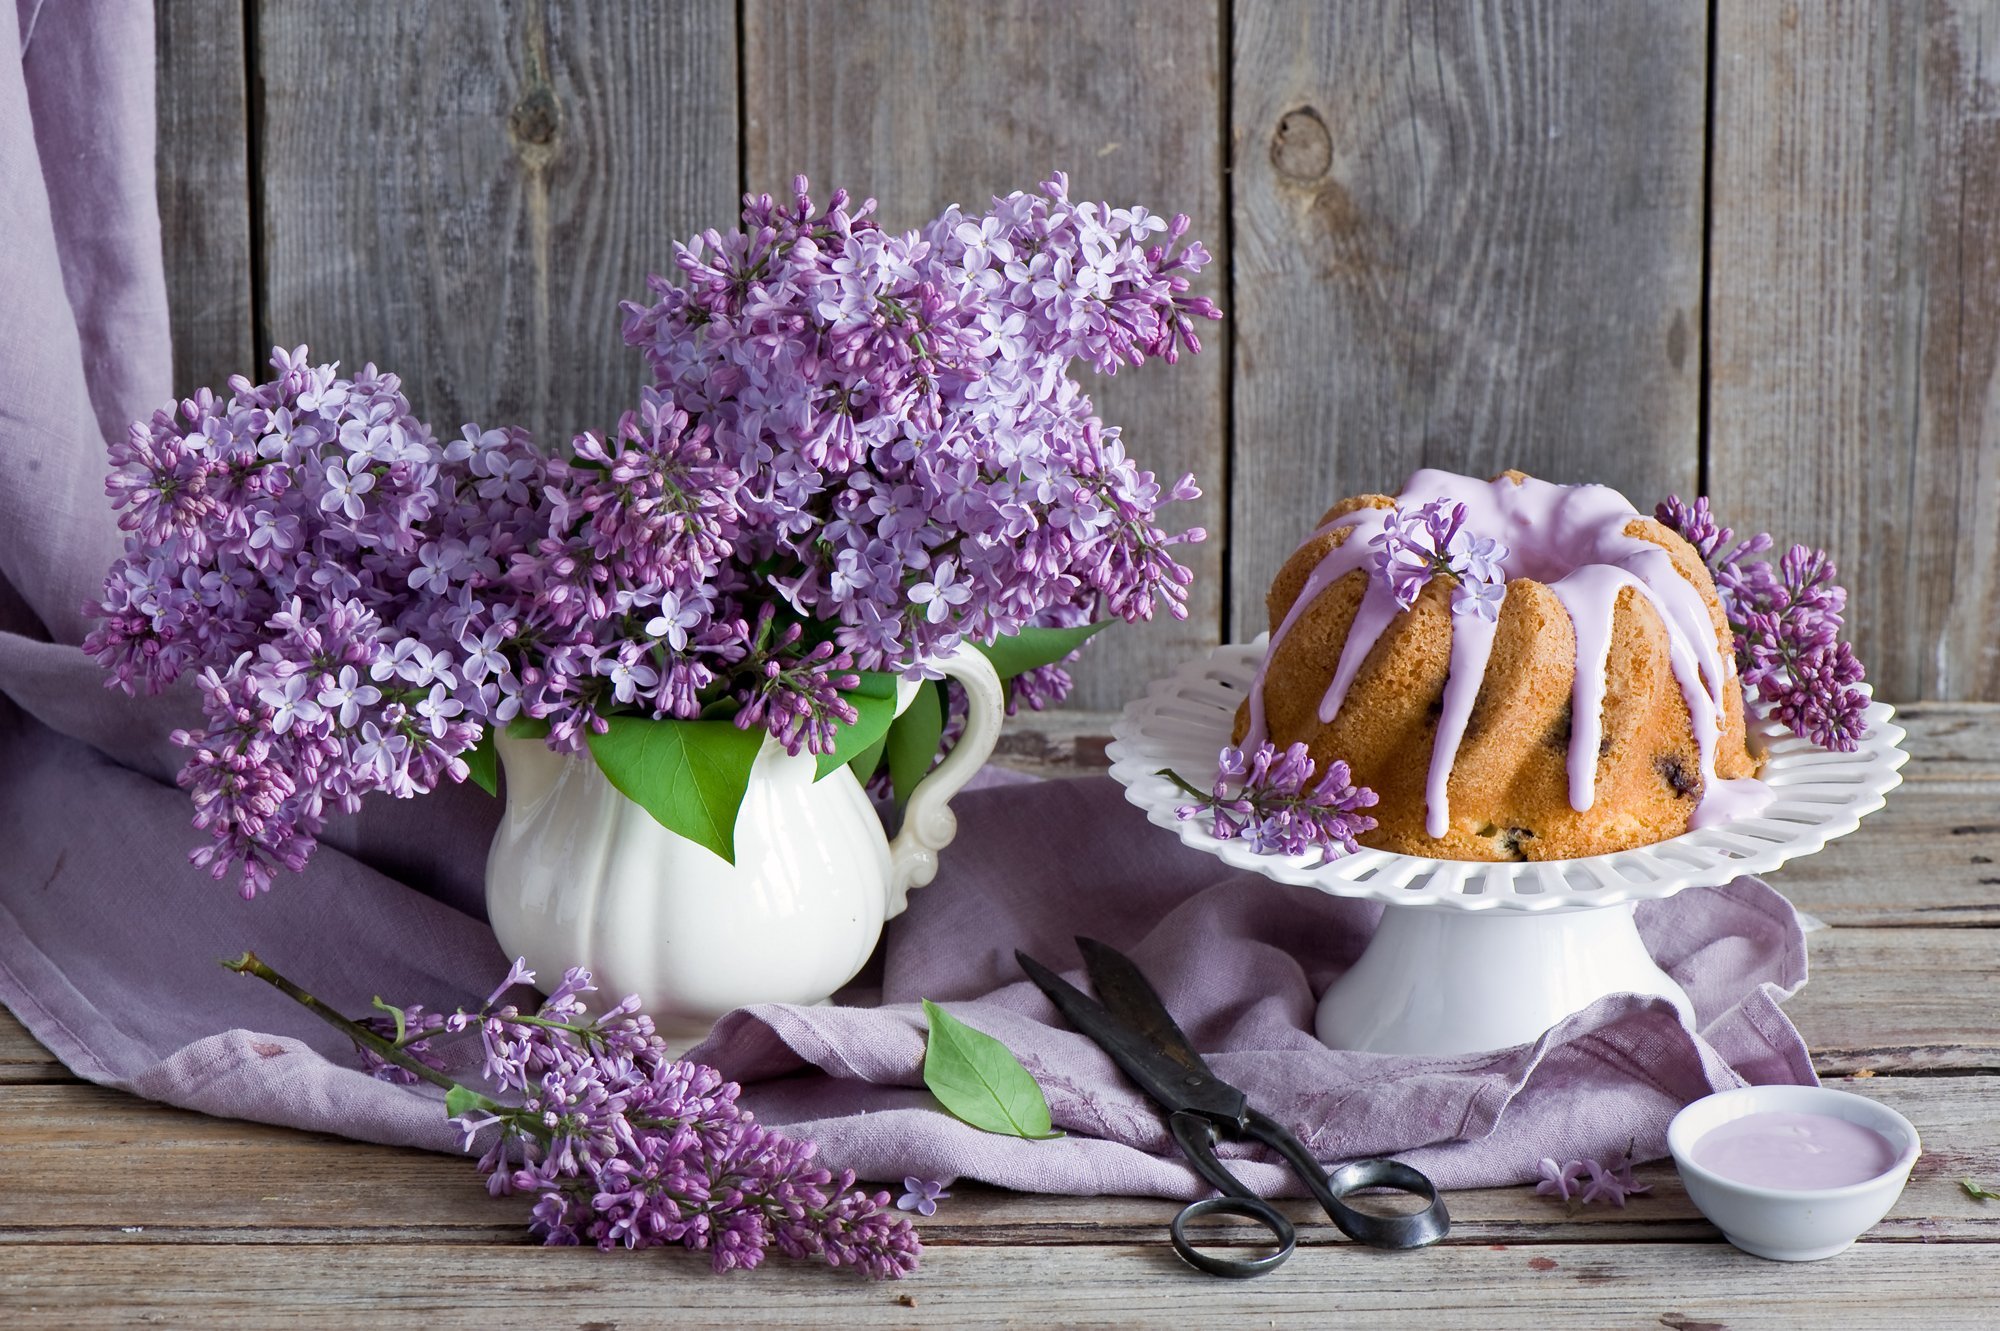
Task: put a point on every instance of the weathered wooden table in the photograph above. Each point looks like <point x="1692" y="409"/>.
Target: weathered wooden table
<point x="115" y="1211"/>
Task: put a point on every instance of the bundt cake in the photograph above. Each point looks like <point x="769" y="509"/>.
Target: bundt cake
<point x="1519" y="670"/>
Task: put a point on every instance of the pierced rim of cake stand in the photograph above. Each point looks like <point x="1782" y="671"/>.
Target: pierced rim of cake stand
<point x="1474" y="956"/>
<point x="1487" y="956"/>
<point x="1185" y="719"/>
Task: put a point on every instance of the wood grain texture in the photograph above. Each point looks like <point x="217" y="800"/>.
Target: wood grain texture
<point x="203" y="163"/>
<point x="269" y="1185"/>
<point x="1932" y="856"/>
<point x="1465" y="237"/>
<point x="1901" y="999"/>
<point x="469" y="212"/>
<point x="924" y="104"/>
<point x="1855" y="317"/>
<point x="22" y="1058"/>
<point x="1682" y="1285"/>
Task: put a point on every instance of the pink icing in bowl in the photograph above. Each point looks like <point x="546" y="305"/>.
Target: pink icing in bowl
<point x="1792" y="1223"/>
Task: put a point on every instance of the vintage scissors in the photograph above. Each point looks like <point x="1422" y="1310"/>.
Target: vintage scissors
<point x="1130" y="1023"/>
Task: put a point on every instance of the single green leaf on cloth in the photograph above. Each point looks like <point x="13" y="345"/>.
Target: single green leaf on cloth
<point x="874" y="703"/>
<point x="980" y="1082"/>
<point x="1016" y="653"/>
<point x="913" y="740"/>
<point x="483" y="763"/>
<point x="462" y="1100"/>
<point x="1973" y="1189"/>
<point x="690" y="775"/>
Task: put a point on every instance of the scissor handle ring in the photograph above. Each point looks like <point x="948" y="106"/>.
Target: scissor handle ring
<point x="1412" y="1230"/>
<point x="1247" y="1208"/>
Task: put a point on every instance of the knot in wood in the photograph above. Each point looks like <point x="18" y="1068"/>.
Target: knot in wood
<point x="536" y="118"/>
<point x="1302" y="149"/>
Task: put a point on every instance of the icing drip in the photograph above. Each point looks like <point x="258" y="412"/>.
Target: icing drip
<point x="1572" y="538"/>
<point x="1471" y="645"/>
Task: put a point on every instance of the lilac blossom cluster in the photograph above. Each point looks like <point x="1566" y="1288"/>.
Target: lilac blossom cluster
<point x="1417" y="545"/>
<point x="1787" y="619"/>
<point x="1590" y="1181"/>
<point x="318" y="560"/>
<point x="1269" y="799"/>
<point x="921" y="467"/>
<point x="633" y="599"/>
<point x="624" y="1146"/>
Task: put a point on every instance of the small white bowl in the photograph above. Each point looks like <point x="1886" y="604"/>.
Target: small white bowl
<point x="1791" y="1224"/>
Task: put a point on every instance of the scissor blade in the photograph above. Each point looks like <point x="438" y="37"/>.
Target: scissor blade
<point x="1168" y="1081"/>
<point x="1128" y="995"/>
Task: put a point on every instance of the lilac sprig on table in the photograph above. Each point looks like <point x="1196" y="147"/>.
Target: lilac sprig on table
<point x="621" y="1144"/>
<point x="1270" y="800"/>
<point x="1416" y="545"/>
<point x="1787" y="619"/>
<point x="1590" y="1181"/>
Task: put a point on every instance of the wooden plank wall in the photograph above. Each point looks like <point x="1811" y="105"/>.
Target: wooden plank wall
<point x="1747" y="244"/>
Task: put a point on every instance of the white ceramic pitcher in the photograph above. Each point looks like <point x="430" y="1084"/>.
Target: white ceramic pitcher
<point x="579" y="875"/>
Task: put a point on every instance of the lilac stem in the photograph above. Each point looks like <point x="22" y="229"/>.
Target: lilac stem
<point x="250" y="964"/>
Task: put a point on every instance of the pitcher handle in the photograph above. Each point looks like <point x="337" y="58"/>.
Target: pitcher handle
<point x="928" y="822"/>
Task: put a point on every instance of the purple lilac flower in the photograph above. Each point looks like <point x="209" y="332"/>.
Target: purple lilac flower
<point x="921" y="1195"/>
<point x="1559" y="1180"/>
<point x="921" y="468"/>
<point x="313" y="557"/>
<point x="1590" y="1180"/>
<point x="1787" y="619"/>
<point x="621" y="1144"/>
<point x="408" y="1028"/>
<point x="1418" y="544"/>
<point x="624" y="1146"/>
<point x="861" y="448"/>
<point x="1269" y="799"/>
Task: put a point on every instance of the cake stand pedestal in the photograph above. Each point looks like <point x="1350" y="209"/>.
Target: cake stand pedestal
<point x="1450" y="982"/>
<point x="1471" y="956"/>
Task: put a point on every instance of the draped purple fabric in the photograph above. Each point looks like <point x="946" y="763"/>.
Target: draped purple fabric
<point x="109" y="939"/>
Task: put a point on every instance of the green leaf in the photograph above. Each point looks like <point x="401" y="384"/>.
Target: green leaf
<point x="979" y="1082"/>
<point x="1975" y="1190"/>
<point x="690" y="775"/>
<point x="484" y="763"/>
<point x="1025" y="650"/>
<point x="528" y="727"/>
<point x="396" y="1012"/>
<point x="864" y="766"/>
<point x="462" y="1100"/>
<point x="913" y="740"/>
<point x="874" y="701"/>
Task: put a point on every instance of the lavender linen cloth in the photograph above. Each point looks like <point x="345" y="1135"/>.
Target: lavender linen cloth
<point x="1240" y="961"/>
<point x="108" y="939"/>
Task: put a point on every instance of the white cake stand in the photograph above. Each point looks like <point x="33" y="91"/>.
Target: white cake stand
<point x="1475" y="956"/>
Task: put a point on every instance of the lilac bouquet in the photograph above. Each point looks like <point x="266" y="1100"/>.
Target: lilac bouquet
<point x="1787" y="619"/>
<point x="861" y="450"/>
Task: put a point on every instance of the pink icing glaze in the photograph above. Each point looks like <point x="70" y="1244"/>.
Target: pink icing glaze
<point x="1572" y="538"/>
<point x="1779" y="1149"/>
